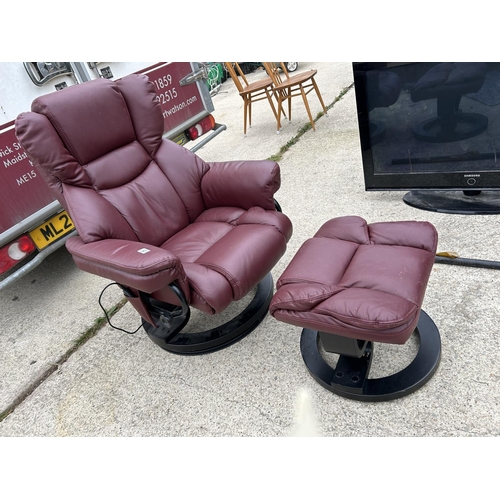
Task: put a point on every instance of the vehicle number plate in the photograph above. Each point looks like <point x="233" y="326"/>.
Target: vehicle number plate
<point x="52" y="229"/>
<point x="181" y="139"/>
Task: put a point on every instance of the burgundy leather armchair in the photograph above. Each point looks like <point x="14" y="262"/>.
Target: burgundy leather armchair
<point x="172" y="230"/>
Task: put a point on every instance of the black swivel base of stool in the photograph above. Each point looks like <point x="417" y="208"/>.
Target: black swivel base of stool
<point x="350" y="376"/>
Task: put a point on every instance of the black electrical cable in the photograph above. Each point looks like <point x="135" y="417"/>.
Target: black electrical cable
<point x="457" y="261"/>
<point x="486" y="264"/>
<point x="106" y="312"/>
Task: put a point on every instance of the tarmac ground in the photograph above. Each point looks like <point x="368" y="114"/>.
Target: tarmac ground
<point x="113" y="384"/>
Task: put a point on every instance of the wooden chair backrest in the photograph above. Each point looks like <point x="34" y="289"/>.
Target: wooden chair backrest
<point x="233" y="68"/>
<point x="273" y="71"/>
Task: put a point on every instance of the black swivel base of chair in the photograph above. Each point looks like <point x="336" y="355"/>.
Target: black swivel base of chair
<point x="350" y="376"/>
<point x="172" y="338"/>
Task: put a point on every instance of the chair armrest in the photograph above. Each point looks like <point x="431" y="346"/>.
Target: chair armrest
<point x="242" y="184"/>
<point x="131" y="263"/>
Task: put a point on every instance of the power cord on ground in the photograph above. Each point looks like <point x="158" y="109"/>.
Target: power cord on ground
<point x="452" y="258"/>
<point x="107" y="314"/>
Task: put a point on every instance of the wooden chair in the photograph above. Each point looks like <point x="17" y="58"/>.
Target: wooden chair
<point x="250" y="92"/>
<point x="291" y="86"/>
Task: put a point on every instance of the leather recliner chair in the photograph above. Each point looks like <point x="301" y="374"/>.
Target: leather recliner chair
<point x="172" y="230"/>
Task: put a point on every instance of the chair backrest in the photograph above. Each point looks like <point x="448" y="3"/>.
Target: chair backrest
<point x="98" y="146"/>
<point x="233" y="68"/>
<point x="273" y="70"/>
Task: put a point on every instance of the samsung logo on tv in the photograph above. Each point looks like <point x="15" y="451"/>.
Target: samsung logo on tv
<point x="472" y="175"/>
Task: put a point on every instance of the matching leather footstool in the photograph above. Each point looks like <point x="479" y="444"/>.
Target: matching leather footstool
<point x="354" y="284"/>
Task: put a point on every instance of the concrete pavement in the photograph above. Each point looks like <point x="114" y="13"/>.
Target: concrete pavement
<point x="124" y="385"/>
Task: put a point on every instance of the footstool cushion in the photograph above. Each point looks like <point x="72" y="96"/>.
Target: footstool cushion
<point x="359" y="280"/>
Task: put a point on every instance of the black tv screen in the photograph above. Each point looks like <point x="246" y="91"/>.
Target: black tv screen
<point x="432" y="129"/>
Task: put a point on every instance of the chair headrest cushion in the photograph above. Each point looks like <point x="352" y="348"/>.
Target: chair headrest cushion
<point x="97" y="117"/>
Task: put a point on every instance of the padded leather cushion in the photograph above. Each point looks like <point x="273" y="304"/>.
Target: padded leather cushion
<point x="359" y="280"/>
<point x="227" y="251"/>
<point x="99" y="146"/>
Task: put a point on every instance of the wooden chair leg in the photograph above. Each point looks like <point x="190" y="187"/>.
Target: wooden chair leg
<point x="245" y="117"/>
<point x="280" y="108"/>
<point x="277" y="95"/>
<point x="319" y="96"/>
<point x="304" y="98"/>
<point x="270" y="99"/>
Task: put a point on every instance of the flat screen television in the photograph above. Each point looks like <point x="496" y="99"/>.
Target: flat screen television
<point x="432" y="129"/>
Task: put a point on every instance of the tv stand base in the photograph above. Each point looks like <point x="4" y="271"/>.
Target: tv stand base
<point x="455" y="202"/>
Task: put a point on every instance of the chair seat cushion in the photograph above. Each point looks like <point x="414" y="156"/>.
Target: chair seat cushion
<point x="227" y="251"/>
<point x="359" y="280"/>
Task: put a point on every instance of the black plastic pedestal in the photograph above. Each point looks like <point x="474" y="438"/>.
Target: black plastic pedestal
<point x="220" y="337"/>
<point x="350" y="379"/>
<point x="454" y="202"/>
